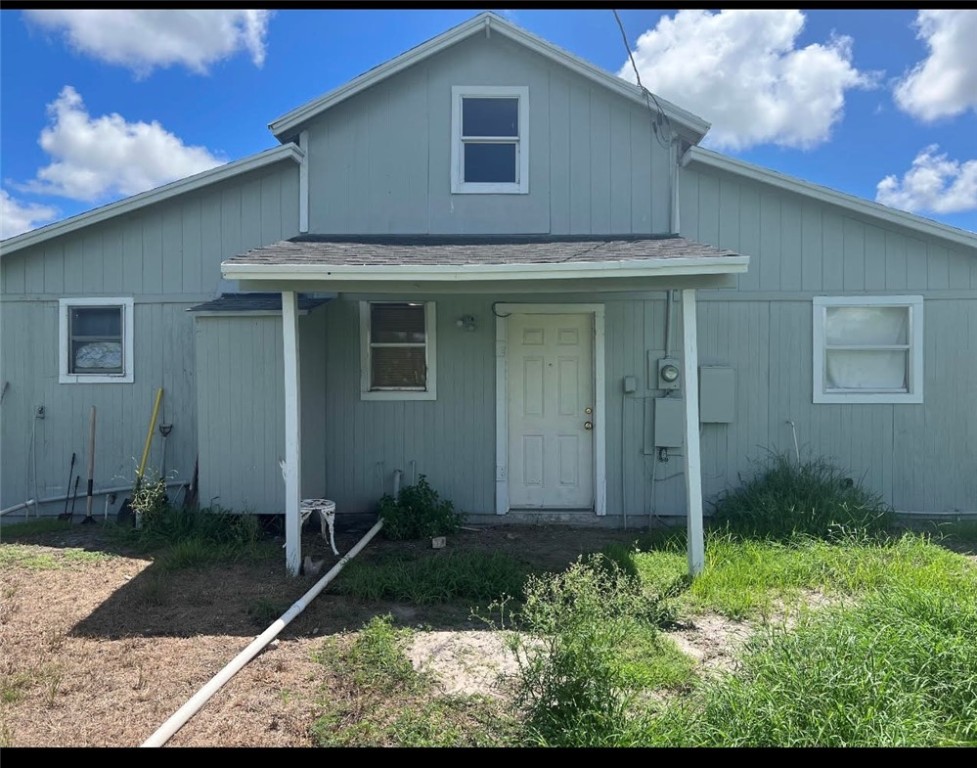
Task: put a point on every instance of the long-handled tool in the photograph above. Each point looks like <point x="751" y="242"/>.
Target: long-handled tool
<point x="67" y="492"/>
<point x="91" y="470"/>
<point x="77" y="479"/>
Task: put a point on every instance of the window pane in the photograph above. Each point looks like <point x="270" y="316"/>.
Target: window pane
<point x="490" y="117"/>
<point x="96" y="321"/>
<point x="87" y="357"/>
<point x="489" y="163"/>
<point x="398" y="367"/>
<point x="393" y="323"/>
<point x="867" y="325"/>
<point x="866" y="370"/>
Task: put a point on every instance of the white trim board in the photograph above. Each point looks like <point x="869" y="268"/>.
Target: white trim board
<point x="128" y="358"/>
<point x="704" y="265"/>
<point x="134" y="203"/>
<point x="486" y="22"/>
<point x="458" y="184"/>
<point x="914" y="304"/>
<point x="502" y="399"/>
<point x="827" y="195"/>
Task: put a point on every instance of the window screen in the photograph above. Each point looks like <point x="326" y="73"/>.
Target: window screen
<point x="398" y="346"/>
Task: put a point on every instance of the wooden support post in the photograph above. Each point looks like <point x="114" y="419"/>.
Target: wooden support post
<point x="693" y="459"/>
<point x="293" y="433"/>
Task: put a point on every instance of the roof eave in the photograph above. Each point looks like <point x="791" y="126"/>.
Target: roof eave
<point x="827" y="195"/>
<point x="287" y="124"/>
<point x="720" y="265"/>
<point x="143" y="199"/>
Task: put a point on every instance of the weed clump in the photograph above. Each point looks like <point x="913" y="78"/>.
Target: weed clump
<point x="418" y="512"/>
<point x="813" y="497"/>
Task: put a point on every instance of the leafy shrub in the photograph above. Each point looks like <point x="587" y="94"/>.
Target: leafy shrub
<point x="579" y="674"/>
<point x="813" y="497"/>
<point x="418" y="512"/>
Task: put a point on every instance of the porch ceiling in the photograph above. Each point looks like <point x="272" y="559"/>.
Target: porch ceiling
<point x="478" y="263"/>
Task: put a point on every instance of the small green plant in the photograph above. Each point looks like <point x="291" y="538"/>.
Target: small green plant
<point x="418" y="512"/>
<point x="587" y="645"/>
<point x="264" y="611"/>
<point x="149" y="500"/>
<point x="813" y="497"/>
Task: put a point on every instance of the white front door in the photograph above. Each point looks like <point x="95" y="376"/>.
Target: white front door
<point x="550" y="370"/>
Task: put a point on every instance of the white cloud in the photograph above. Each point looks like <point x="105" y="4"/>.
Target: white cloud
<point x="945" y="83"/>
<point x="17" y="217"/>
<point x="934" y="183"/>
<point x="96" y="157"/>
<point x="143" y="40"/>
<point x="741" y="71"/>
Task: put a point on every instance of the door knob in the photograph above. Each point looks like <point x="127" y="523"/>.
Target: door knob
<point x="588" y="410"/>
<point x="588" y="425"/>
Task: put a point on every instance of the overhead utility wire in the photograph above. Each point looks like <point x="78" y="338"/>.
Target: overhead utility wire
<point x="661" y="112"/>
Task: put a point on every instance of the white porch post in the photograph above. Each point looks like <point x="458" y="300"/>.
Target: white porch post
<point x="693" y="463"/>
<point x="293" y="434"/>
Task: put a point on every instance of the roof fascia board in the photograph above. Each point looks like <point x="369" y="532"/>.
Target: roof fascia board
<point x="143" y="199"/>
<point x="695" y="126"/>
<point x="476" y="272"/>
<point x="827" y="195"/>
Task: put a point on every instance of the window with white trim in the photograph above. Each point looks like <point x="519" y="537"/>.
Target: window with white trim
<point x="95" y="341"/>
<point x="868" y="349"/>
<point x="397" y="350"/>
<point x="490" y="139"/>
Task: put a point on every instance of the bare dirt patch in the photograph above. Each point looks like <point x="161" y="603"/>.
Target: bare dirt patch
<point x="101" y="652"/>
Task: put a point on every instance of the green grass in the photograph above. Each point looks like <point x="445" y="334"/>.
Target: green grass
<point x="376" y="698"/>
<point x="180" y="539"/>
<point x="747" y="578"/>
<point x="898" y="669"/>
<point x="787" y="497"/>
<point x="37" y="558"/>
<point x="433" y="578"/>
<point x="28" y="528"/>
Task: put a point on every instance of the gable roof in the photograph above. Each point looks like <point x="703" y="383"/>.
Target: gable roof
<point x="143" y="199"/>
<point x="291" y="122"/>
<point x="860" y="205"/>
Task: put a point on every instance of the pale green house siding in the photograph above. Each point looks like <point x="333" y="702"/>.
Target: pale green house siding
<point x="167" y="258"/>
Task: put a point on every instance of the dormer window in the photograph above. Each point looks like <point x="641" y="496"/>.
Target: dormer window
<point x="490" y="141"/>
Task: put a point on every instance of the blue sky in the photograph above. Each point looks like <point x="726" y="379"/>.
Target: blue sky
<point x="877" y="103"/>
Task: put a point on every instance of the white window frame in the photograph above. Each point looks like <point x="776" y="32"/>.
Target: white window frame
<point x="915" y="337"/>
<point x="458" y="183"/>
<point x="64" y="307"/>
<point x="430" y="356"/>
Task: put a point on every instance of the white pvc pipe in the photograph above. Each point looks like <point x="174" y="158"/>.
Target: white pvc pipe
<point x="179" y="718"/>
<point x="53" y="499"/>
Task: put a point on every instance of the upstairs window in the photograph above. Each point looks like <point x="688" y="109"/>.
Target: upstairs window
<point x="868" y="349"/>
<point x="490" y="142"/>
<point x="96" y="341"/>
<point x="397" y="350"/>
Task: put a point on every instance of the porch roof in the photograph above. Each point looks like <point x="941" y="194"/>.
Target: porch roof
<point x="433" y="258"/>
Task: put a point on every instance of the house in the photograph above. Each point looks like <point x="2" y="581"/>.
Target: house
<point x="491" y="263"/>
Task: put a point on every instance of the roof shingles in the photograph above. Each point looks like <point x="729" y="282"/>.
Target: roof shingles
<point x="459" y="251"/>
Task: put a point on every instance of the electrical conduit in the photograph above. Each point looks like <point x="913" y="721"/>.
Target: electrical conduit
<point x="179" y="718"/>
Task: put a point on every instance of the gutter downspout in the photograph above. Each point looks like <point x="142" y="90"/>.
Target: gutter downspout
<point x="179" y="718"/>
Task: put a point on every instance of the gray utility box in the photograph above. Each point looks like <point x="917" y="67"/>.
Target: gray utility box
<point x="669" y="422"/>
<point x="717" y="394"/>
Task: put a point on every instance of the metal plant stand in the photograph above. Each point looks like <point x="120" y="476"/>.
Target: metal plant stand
<point x="327" y="516"/>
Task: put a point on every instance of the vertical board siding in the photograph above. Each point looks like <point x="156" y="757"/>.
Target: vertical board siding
<point x="919" y="457"/>
<point x="163" y="336"/>
<point x="157" y="256"/>
<point x="380" y="162"/>
<point x="241" y="396"/>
